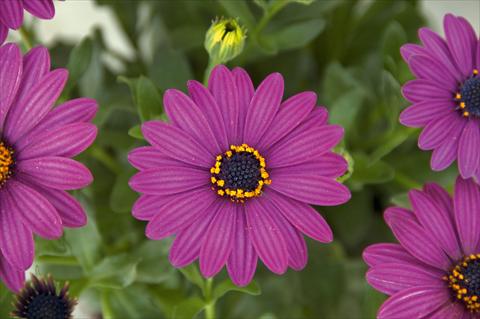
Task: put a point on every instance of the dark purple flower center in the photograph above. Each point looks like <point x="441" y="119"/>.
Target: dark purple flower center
<point x="6" y="163"/>
<point x="468" y="97"/>
<point x="239" y="173"/>
<point x="46" y="306"/>
<point x="464" y="280"/>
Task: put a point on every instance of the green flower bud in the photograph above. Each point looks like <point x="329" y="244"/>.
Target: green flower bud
<point x="225" y="40"/>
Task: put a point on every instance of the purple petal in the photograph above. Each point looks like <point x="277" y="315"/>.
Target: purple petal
<point x="68" y="141"/>
<point x="421" y="89"/>
<point x="242" y="263"/>
<point x="419" y="243"/>
<point x="55" y="172"/>
<point x="177" y="144"/>
<point x="328" y="165"/>
<point x="415" y="302"/>
<point x="43" y="9"/>
<point x="392" y="278"/>
<point x="444" y="155"/>
<point x="186" y="246"/>
<point x="427" y="68"/>
<point x="36" y="212"/>
<point x="436" y="221"/>
<point x="266" y="236"/>
<point x="469" y="149"/>
<point x="69" y="209"/>
<point x="14" y="278"/>
<point x="213" y="113"/>
<point x="436" y="132"/>
<point x="262" y="109"/>
<point x="180" y="211"/>
<point x="421" y="113"/>
<point x="292" y="112"/>
<point x="378" y="254"/>
<point x="147" y="206"/>
<point x="438" y="49"/>
<point x="461" y="41"/>
<point x="452" y="310"/>
<point x="398" y="212"/>
<point x="441" y="197"/>
<point x="147" y="157"/>
<point x="36" y="64"/>
<point x="305" y="146"/>
<point x="302" y="216"/>
<point x="218" y="241"/>
<point x="309" y="187"/>
<point x="466" y="201"/>
<point x="408" y="50"/>
<point x="185" y="114"/>
<point x="296" y="246"/>
<point x="10" y="77"/>
<point x="245" y="93"/>
<point x="3" y="33"/>
<point x="168" y="180"/>
<point x="223" y="88"/>
<point x="16" y="240"/>
<point x="31" y="109"/>
<point x="11" y="14"/>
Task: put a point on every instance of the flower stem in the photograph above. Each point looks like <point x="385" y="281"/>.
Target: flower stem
<point x="209" y="301"/>
<point x="211" y="64"/>
<point x="25" y="38"/>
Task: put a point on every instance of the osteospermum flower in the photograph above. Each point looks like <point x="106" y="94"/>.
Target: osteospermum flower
<point x="41" y="299"/>
<point x="233" y="174"/>
<point x="435" y="270"/>
<point x="36" y="144"/>
<point x="446" y="95"/>
<point x="11" y="13"/>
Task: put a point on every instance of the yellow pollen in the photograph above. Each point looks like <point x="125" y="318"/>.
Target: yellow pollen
<point x="459" y="281"/>
<point x="475" y="72"/>
<point x="6" y="162"/>
<point x="466" y="114"/>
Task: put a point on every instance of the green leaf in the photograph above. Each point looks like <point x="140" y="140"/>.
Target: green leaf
<point x="171" y="69"/>
<point x="188" y="308"/>
<point x="401" y="200"/>
<point x="294" y="36"/>
<point x="393" y="141"/>
<point x="193" y="275"/>
<point x="367" y="172"/>
<point x="122" y="196"/>
<point x="44" y="247"/>
<point x="345" y="109"/>
<point x="135" y="302"/>
<point x="115" y="272"/>
<point x="136" y="132"/>
<point x="239" y="9"/>
<point x="154" y="267"/>
<point x="145" y="96"/>
<point x="393" y="38"/>
<point x="6" y="299"/>
<point x="80" y="59"/>
<point x="226" y="286"/>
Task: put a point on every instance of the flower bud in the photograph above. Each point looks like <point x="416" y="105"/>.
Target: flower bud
<point x="225" y="40"/>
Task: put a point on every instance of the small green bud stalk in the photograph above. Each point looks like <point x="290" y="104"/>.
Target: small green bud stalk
<point x="224" y="40"/>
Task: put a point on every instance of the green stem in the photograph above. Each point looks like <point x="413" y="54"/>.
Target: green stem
<point x="99" y="154"/>
<point x="59" y="260"/>
<point x="208" y="70"/>
<point x="406" y="181"/>
<point x="209" y="302"/>
<point x="25" y="38"/>
<point x="268" y="15"/>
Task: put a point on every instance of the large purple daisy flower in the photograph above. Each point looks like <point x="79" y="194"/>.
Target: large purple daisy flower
<point x="446" y="95"/>
<point x="11" y="13"/>
<point x="435" y="270"/>
<point x="36" y="143"/>
<point x="233" y="174"/>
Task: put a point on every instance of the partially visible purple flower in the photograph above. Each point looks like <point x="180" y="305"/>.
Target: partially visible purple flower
<point x="36" y="146"/>
<point x="446" y="95"/>
<point x="435" y="270"/>
<point x="233" y="174"/>
<point x="11" y="13"/>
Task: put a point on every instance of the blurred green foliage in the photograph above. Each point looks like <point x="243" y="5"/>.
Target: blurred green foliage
<point x="347" y="51"/>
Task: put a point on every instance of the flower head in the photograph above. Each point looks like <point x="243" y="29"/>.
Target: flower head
<point x="11" y="13"/>
<point x="39" y="299"/>
<point x="233" y="174"/>
<point x="36" y="146"/>
<point x="225" y="40"/>
<point x="445" y="96"/>
<point x="435" y="270"/>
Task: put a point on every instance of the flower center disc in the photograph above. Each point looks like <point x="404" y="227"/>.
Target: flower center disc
<point x="6" y="163"/>
<point x="46" y="306"/>
<point x="464" y="280"/>
<point x="468" y="98"/>
<point x="239" y="173"/>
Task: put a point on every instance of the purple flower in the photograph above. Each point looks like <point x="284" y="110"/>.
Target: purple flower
<point x="11" y="13"/>
<point x="36" y="143"/>
<point x="435" y="270"/>
<point x="233" y="174"/>
<point x="446" y="95"/>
